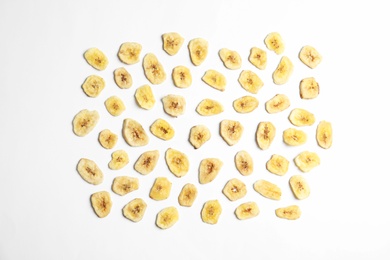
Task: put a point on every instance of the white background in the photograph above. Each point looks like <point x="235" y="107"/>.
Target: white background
<point x="45" y="211"/>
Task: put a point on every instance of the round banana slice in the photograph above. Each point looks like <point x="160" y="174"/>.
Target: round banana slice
<point x="93" y="85"/>
<point x="324" y="134"/>
<point x="145" y="97"/>
<point x="274" y="42"/>
<point x="244" y="163"/>
<point x="198" y="48"/>
<point x="209" y="169"/>
<point x="268" y="189"/>
<point x="211" y="211"/>
<point x="107" y="139"/>
<point x="231" y="131"/>
<point x="89" y="171"/>
<point x="250" y="81"/>
<point x="234" y="189"/>
<point x="245" y="104"/>
<point x="174" y="105"/>
<point x="133" y="133"/>
<point x="135" y="210"/>
<point x="309" y="88"/>
<point x="283" y="72"/>
<point x="101" y="203"/>
<point x="277" y="104"/>
<point x="172" y="42"/>
<point x="258" y="58"/>
<point x="161" y="189"/>
<point x="306" y="161"/>
<point x="177" y="162"/>
<point x="181" y="76"/>
<point x="265" y="134"/>
<point x="231" y="59"/>
<point x="123" y="78"/>
<point x="129" y="52"/>
<point x="84" y="122"/>
<point x="153" y="69"/>
<point x="114" y="106"/>
<point x="209" y="107"/>
<point x="119" y="159"/>
<point x="199" y="135"/>
<point x="167" y="217"/>
<point x="215" y="79"/>
<point x="278" y="165"/>
<point x="162" y="129"/>
<point x="123" y="185"/>
<point x="188" y="195"/>
<point x="96" y="58"/>
<point x="310" y="56"/>
<point x="247" y="210"/>
<point x="299" y="187"/>
<point x="290" y="213"/>
<point x="147" y="162"/>
<point x="294" y="137"/>
<point x="301" y="117"/>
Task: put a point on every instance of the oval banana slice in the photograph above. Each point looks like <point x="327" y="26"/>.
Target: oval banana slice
<point x="199" y="49"/>
<point x="188" y="195"/>
<point x="161" y="189"/>
<point x="274" y="42"/>
<point x="181" y="76"/>
<point x="129" y="52"/>
<point x="278" y="165"/>
<point x="133" y="133"/>
<point x="245" y="104"/>
<point x="299" y="187"/>
<point x="101" y="203"/>
<point x="211" y="211"/>
<point x="96" y="58"/>
<point x="209" y="107"/>
<point x="268" y="189"/>
<point x="167" y="217"/>
<point x="153" y="69"/>
<point x="234" y="189"/>
<point x="199" y="135"/>
<point x="247" y="210"/>
<point x="309" y="88"/>
<point x="123" y="78"/>
<point x="231" y="59"/>
<point x="85" y="121"/>
<point x="145" y="97"/>
<point x="244" y="163"/>
<point x="258" y="58"/>
<point x="174" y="105"/>
<point x="301" y="117"/>
<point x="310" y="56"/>
<point x="107" y="139"/>
<point x="306" y="161"/>
<point x="135" y="210"/>
<point x="294" y="137"/>
<point x="265" y="134"/>
<point x="162" y="129"/>
<point x="177" y="162"/>
<point x="324" y="134"/>
<point x="93" y="85"/>
<point x="291" y="212"/>
<point x="209" y="169"/>
<point x="215" y="79"/>
<point x="231" y="131"/>
<point x="89" y="171"/>
<point x="147" y="162"/>
<point x="119" y="159"/>
<point x="250" y="81"/>
<point x="172" y="42"/>
<point x="114" y="106"/>
<point x="277" y="104"/>
<point x="283" y="71"/>
<point x="123" y="185"/>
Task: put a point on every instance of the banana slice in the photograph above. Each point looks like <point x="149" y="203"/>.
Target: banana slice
<point x="172" y="42"/>
<point x="161" y="189"/>
<point x="291" y="212"/>
<point x="177" y="162"/>
<point x="199" y="49"/>
<point x="119" y="159"/>
<point x="114" y="105"/>
<point x="167" y="217"/>
<point x="278" y="165"/>
<point x="153" y="69"/>
<point x="234" y="189"/>
<point x="310" y="56"/>
<point x="231" y="59"/>
<point x="181" y="77"/>
<point x="101" y="203"/>
<point x="324" y="134"/>
<point x="215" y="79"/>
<point x="258" y="58"/>
<point x="96" y="58"/>
<point x="147" y="162"/>
<point x="299" y="187"/>
<point x="123" y="185"/>
<point x="294" y="137"/>
<point x="209" y="169"/>
<point x="277" y="104"/>
<point x="123" y="78"/>
<point x="247" y="210"/>
<point x="133" y="133"/>
<point x="231" y="131"/>
<point x="274" y="42"/>
<point x="89" y="171"/>
<point x="265" y="134"/>
<point x="250" y="81"/>
<point x="245" y="104"/>
<point x="84" y="122"/>
<point x="144" y="97"/>
<point x="283" y="71"/>
<point x="301" y="117"/>
<point x="268" y="189"/>
<point x="199" y="135"/>
<point x="129" y="52"/>
<point x="188" y="195"/>
<point x="244" y="163"/>
<point x="135" y="210"/>
<point x="93" y="85"/>
<point x="309" y="88"/>
<point x="211" y="211"/>
<point x="107" y="139"/>
<point x="306" y="161"/>
<point x="162" y="129"/>
<point x="209" y="107"/>
<point x="174" y="105"/>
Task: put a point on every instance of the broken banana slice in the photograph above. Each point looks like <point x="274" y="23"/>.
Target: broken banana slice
<point x="167" y="217"/>
<point x="268" y="189"/>
<point x="172" y="42"/>
<point x="211" y="211"/>
<point x="181" y="77"/>
<point x="135" y="210"/>
<point x="199" y="135"/>
<point x="153" y="69"/>
<point x="291" y="212"/>
<point x="247" y="210"/>
<point x="107" y="139"/>
<point x="245" y="104"/>
<point x="301" y="117"/>
<point x="231" y="59"/>
<point x="309" y="88"/>
<point x="299" y="187"/>
<point x="231" y="131"/>
<point x="215" y="79"/>
<point x="234" y="189"/>
<point x="277" y="104"/>
<point x="133" y="133"/>
<point x="119" y="159"/>
<point x="188" y="195"/>
<point x="250" y="81"/>
<point x="129" y="52"/>
<point x="209" y="107"/>
<point x="306" y="161"/>
<point x="274" y="42"/>
<point x="209" y="169"/>
<point x="294" y="137"/>
<point x="144" y="97"/>
<point x="123" y="185"/>
<point x="101" y="203"/>
<point x="147" y="162"/>
<point x="161" y="189"/>
<point x="115" y="106"/>
<point x="123" y="78"/>
<point x="199" y="49"/>
<point x="174" y="105"/>
<point x="310" y="56"/>
<point x="93" y="85"/>
<point x="177" y="162"/>
<point x="162" y="129"/>
<point x="265" y="134"/>
<point x="96" y="58"/>
<point x="278" y="165"/>
<point x="283" y="71"/>
<point x="258" y="58"/>
<point x="324" y="134"/>
<point x="84" y="122"/>
<point x="89" y="171"/>
<point x="244" y="163"/>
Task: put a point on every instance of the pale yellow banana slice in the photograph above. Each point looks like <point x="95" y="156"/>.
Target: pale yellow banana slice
<point x="306" y="161"/>
<point x="167" y="217"/>
<point x="245" y="104"/>
<point x="250" y="81"/>
<point x="101" y="203"/>
<point x="268" y="189"/>
<point x="301" y="117"/>
<point x="133" y="133"/>
<point x="188" y="195"/>
<point x="231" y="131"/>
<point x="84" y="122"/>
<point x="123" y="185"/>
<point x="107" y="139"/>
<point x="291" y="212"/>
<point x="96" y="58"/>
<point x="310" y="56"/>
<point x="244" y="163"/>
<point x="135" y="210"/>
<point x="174" y="105"/>
<point x="215" y="79"/>
<point x="114" y="106"/>
<point x="172" y="42"/>
<point x="147" y="162"/>
<point x="199" y="49"/>
<point x="93" y="85"/>
<point x="199" y="135"/>
<point x="299" y="187"/>
<point x="162" y="129"/>
<point x="258" y="58"/>
<point x="274" y="42"/>
<point x="177" y="162"/>
<point x="247" y="210"/>
<point x="145" y="97"/>
<point x="324" y="134"/>
<point x="211" y="211"/>
<point x="209" y="169"/>
<point x="277" y="104"/>
<point x="278" y="165"/>
<point x="119" y="159"/>
<point x="265" y="134"/>
<point x="209" y="107"/>
<point x="161" y="189"/>
<point x="129" y="52"/>
<point x="123" y="78"/>
<point x="294" y="137"/>
<point x="234" y="189"/>
<point x="309" y="88"/>
<point x="89" y="171"/>
<point x="153" y="69"/>
<point x="231" y="59"/>
<point x="182" y="77"/>
<point x="283" y="72"/>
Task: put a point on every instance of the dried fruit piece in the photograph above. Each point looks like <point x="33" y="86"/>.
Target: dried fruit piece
<point x="133" y="133"/>
<point x="268" y="189"/>
<point x="310" y="56"/>
<point x="245" y="104"/>
<point x="107" y="139"/>
<point x="162" y="129"/>
<point x="324" y="134"/>
<point x="250" y="81"/>
<point x="129" y="52"/>
<point x="119" y="159"/>
<point x="301" y="117"/>
<point x="101" y="203"/>
<point x="244" y="163"/>
<point x="199" y="135"/>
<point x="283" y="72"/>
<point x="174" y="105"/>
<point x="211" y="211"/>
<point x="84" y="122"/>
<point x="181" y="77"/>
<point x="199" y="49"/>
<point x="188" y="195"/>
<point x="172" y="42"/>
<point x="306" y="161"/>
<point x="277" y="104"/>
<point x="123" y="78"/>
<point x="177" y="162"/>
<point x="274" y="42"/>
<point x="209" y="107"/>
<point x="153" y="69"/>
<point x="294" y="137"/>
<point x="114" y="105"/>
<point x="278" y="165"/>
<point x="291" y="212"/>
<point x="258" y="58"/>
<point x="299" y="187"/>
<point x="123" y="185"/>
<point x="167" y="217"/>
<point x="96" y="58"/>
<point x="144" y="97"/>
<point x="234" y="189"/>
<point x="135" y="210"/>
<point x="231" y="131"/>
<point x="93" y="85"/>
<point x="231" y="59"/>
<point x="265" y="134"/>
<point x="89" y="171"/>
<point x="309" y="88"/>
<point x="215" y="79"/>
<point x="160" y="189"/>
<point x="209" y="169"/>
<point x="147" y="162"/>
<point x="247" y="210"/>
